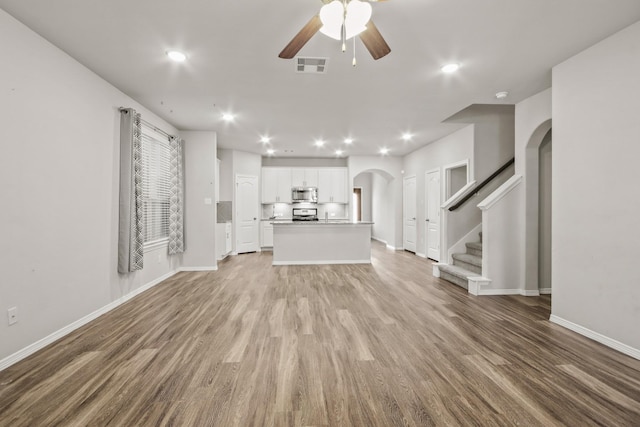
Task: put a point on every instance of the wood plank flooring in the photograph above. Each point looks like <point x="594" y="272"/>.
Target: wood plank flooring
<point x="362" y="345"/>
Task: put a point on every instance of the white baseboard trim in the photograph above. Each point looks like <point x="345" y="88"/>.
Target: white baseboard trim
<point x="378" y="240"/>
<point x="523" y="292"/>
<point x="421" y="255"/>
<point x="393" y="248"/>
<point x="323" y="262"/>
<point x="495" y="292"/>
<point x="602" y="339"/>
<point x="545" y="291"/>
<point x="214" y="268"/>
<point x="475" y="284"/>
<point x="40" y="344"/>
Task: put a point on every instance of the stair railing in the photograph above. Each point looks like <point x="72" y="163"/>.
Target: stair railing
<point x="480" y="186"/>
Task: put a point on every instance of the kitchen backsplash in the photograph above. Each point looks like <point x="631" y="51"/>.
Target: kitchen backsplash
<point x="224" y="212"/>
<point x="283" y="210"/>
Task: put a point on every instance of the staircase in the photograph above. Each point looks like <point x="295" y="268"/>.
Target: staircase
<point x="468" y="264"/>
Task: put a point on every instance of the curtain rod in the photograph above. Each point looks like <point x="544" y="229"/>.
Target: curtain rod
<point x="152" y="126"/>
<point x="157" y="129"/>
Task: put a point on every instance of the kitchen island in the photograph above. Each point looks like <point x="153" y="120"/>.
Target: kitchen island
<point x="321" y="242"/>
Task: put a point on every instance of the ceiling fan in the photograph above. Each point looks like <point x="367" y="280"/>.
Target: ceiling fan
<point x="341" y="20"/>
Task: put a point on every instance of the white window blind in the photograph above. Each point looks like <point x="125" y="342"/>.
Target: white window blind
<point x="156" y="181"/>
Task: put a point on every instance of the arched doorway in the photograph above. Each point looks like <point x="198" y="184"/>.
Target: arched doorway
<point x="538" y="210"/>
<point x="375" y="190"/>
<point x="544" y="214"/>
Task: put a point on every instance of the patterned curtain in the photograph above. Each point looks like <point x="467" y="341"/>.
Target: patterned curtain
<point x="176" y="208"/>
<point x="131" y="221"/>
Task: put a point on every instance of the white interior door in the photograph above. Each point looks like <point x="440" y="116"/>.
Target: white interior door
<point x="432" y="197"/>
<point x="409" y="213"/>
<point x="247" y="219"/>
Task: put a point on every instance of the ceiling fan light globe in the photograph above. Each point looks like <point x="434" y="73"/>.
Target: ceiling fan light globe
<point x="332" y="17"/>
<point x="331" y="32"/>
<point x="358" y="16"/>
<point x="352" y="31"/>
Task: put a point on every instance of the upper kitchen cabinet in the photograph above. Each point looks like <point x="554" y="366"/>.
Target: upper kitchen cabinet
<point x="276" y="185"/>
<point x="332" y="185"/>
<point x="304" y="177"/>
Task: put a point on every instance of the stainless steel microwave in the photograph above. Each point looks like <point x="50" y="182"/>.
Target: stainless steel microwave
<point x="304" y="195"/>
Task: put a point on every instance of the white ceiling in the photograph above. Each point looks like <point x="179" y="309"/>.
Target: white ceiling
<point x="232" y="65"/>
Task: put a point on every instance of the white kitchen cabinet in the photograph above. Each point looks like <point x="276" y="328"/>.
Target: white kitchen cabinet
<point x="276" y="185"/>
<point x="223" y="239"/>
<point x="332" y="185"/>
<point x="304" y="177"/>
<point x="228" y="245"/>
<point x="266" y="234"/>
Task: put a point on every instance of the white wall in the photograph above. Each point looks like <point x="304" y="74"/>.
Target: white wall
<point x="531" y="113"/>
<point x="448" y="150"/>
<point x="457" y="180"/>
<point x="532" y="122"/>
<point x="596" y="226"/>
<point x="246" y="163"/>
<point x="226" y="174"/>
<point x="494" y="136"/>
<point x="60" y="126"/>
<point x="364" y="181"/>
<point x="544" y="214"/>
<point x="200" y="206"/>
<point x="390" y="169"/>
<point x="380" y="214"/>
<point x="502" y="248"/>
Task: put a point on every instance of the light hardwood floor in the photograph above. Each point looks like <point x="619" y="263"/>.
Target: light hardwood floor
<point x="364" y="345"/>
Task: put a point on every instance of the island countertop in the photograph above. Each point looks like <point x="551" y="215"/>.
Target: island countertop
<point x="321" y="242"/>
<point x="322" y="222"/>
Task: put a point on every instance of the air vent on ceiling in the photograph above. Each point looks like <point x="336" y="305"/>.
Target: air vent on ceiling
<point x="311" y="65"/>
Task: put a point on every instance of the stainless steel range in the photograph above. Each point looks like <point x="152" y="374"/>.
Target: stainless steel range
<point x="304" y="214"/>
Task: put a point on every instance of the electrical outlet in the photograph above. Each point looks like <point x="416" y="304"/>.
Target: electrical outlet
<point x="12" y="313"/>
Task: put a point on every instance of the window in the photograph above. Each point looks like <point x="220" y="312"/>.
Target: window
<point x="156" y="185"/>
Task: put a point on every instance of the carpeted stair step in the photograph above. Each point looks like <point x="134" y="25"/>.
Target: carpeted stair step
<point x="474" y="248"/>
<point x="468" y="262"/>
<point x="456" y="275"/>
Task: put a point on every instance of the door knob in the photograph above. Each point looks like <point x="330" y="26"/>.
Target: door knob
<point x="427" y="219"/>
<point x="255" y="219"/>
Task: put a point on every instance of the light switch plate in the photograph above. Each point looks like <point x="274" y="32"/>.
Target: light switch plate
<point x="12" y="313"/>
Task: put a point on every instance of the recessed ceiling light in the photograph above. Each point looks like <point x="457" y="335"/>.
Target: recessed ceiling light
<point x="271" y="151"/>
<point x="176" y="56"/>
<point x="450" y="68"/>
<point x="407" y="136"/>
<point x="228" y="117"/>
<point x="265" y="139"/>
<point x="384" y="151"/>
<point x="339" y="152"/>
<point x="502" y="95"/>
<point x="319" y="142"/>
<point x="348" y="140"/>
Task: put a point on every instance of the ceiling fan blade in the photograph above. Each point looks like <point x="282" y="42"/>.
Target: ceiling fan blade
<point x="300" y="39"/>
<point x="374" y="42"/>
